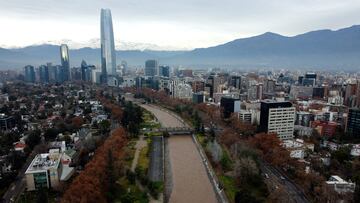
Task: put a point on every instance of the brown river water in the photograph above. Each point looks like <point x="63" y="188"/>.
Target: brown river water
<point x="190" y="181"/>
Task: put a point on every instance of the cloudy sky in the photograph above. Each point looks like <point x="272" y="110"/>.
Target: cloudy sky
<point x="169" y="23"/>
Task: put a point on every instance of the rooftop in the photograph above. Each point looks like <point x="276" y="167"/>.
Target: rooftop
<point x="44" y="161"/>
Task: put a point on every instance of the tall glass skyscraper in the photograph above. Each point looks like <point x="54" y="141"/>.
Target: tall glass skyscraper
<point x="29" y="73"/>
<point x="108" y="57"/>
<point x="64" y="55"/>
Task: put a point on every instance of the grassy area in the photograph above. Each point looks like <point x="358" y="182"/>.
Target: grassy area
<point x="201" y="139"/>
<point x="229" y="186"/>
<point x="130" y="192"/>
<point x="143" y="161"/>
<point x="130" y="153"/>
<point x="149" y="121"/>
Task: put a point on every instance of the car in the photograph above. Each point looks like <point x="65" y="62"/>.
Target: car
<point x="282" y="178"/>
<point x="266" y="175"/>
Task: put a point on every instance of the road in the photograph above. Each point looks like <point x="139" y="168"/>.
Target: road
<point x="280" y="180"/>
<point x="156" y="159"/>
<point x="190" y="182"/>
<point x="17" y="187"/>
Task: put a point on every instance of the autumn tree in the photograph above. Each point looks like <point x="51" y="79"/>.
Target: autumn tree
<point x="77" y="122"/>
<point x="93" y="183"/>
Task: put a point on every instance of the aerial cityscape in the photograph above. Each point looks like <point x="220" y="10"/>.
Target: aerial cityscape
<point x="207" y="110"/>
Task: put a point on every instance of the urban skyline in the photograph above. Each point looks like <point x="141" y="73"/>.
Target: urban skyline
<point x="268" y="118"/>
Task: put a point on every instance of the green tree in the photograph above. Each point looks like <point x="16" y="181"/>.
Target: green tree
<point x="342" y="154"/>
<point x="33" y="139"/>
<point x="42" y="195"/>
<point x="104" y="126"/>
<point x="51" y="134"/>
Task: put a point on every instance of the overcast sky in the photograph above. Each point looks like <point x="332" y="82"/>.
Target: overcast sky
<point x="175" y="23"/>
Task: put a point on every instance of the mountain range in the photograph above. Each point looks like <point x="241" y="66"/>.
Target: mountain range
<point x="321" y="49"/>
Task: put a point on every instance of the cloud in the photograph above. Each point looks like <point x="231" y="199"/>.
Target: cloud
<point x="180" y="23"/>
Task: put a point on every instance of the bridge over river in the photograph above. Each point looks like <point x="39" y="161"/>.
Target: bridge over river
<point x="190" y="182"/>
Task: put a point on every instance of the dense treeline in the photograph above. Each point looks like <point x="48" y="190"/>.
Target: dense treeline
<point x="132" y="118"/>
<point x="96" y="182"/>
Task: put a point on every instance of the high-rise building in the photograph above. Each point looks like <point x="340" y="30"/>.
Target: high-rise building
<point x="151" y="68"/>
<point x="76" y="73"/>
<point x="229" y="105"/>
<point x="164" y="71"/>
<point x="58" y="69"/>
<point x="108" y="56"/>
<point x="270" y="86"/>
<point x="310" y="79"/>
<point x="86" y="71"/>
<point x="277" y="117"/>
<point x="353" y="123"/>
<point x="235" y="81"/>
<point x="44" y="74"/>
<point x="29" y="73"/>
<point x="350" y="95"/>
<point x="52" y="72"/>
<point x="213" y="82"/>
<point x="64" y="55"/>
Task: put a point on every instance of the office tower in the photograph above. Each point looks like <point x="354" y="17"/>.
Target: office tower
<point x="44" y="74"/>
<point x="229" y="105"/>
<point x="353" y="123"/>
<point x="29" y="73"/>
<point x="300" y="80"/>
<point x="270" y="86"/>
<point x="151" y="68"/>
<point x="350" y="95"/>
<point x="252" y="93"/>
<point x="84" y="67"/>
<point x="309" y="80"/>
<point x="86" y="71"/>
<point x="108" y="56"/>
<point x="212" y="83"/>
<point x="277" y="117"/>
<point x="76" y="73"/>
<point x="164" y="71"/>
<point x="235" y="81"/>
<point x="64" y="55"/>
<point x="52" y="72"/>
<point x="260" y="91"/>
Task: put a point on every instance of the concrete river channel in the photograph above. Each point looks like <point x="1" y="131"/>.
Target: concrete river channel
<point x="186" y="178"/>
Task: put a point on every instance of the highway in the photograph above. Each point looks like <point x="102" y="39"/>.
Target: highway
<point x="278" y="179"/>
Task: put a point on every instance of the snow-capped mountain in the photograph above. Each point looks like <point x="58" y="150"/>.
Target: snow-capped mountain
<point x="119" y="45"/>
